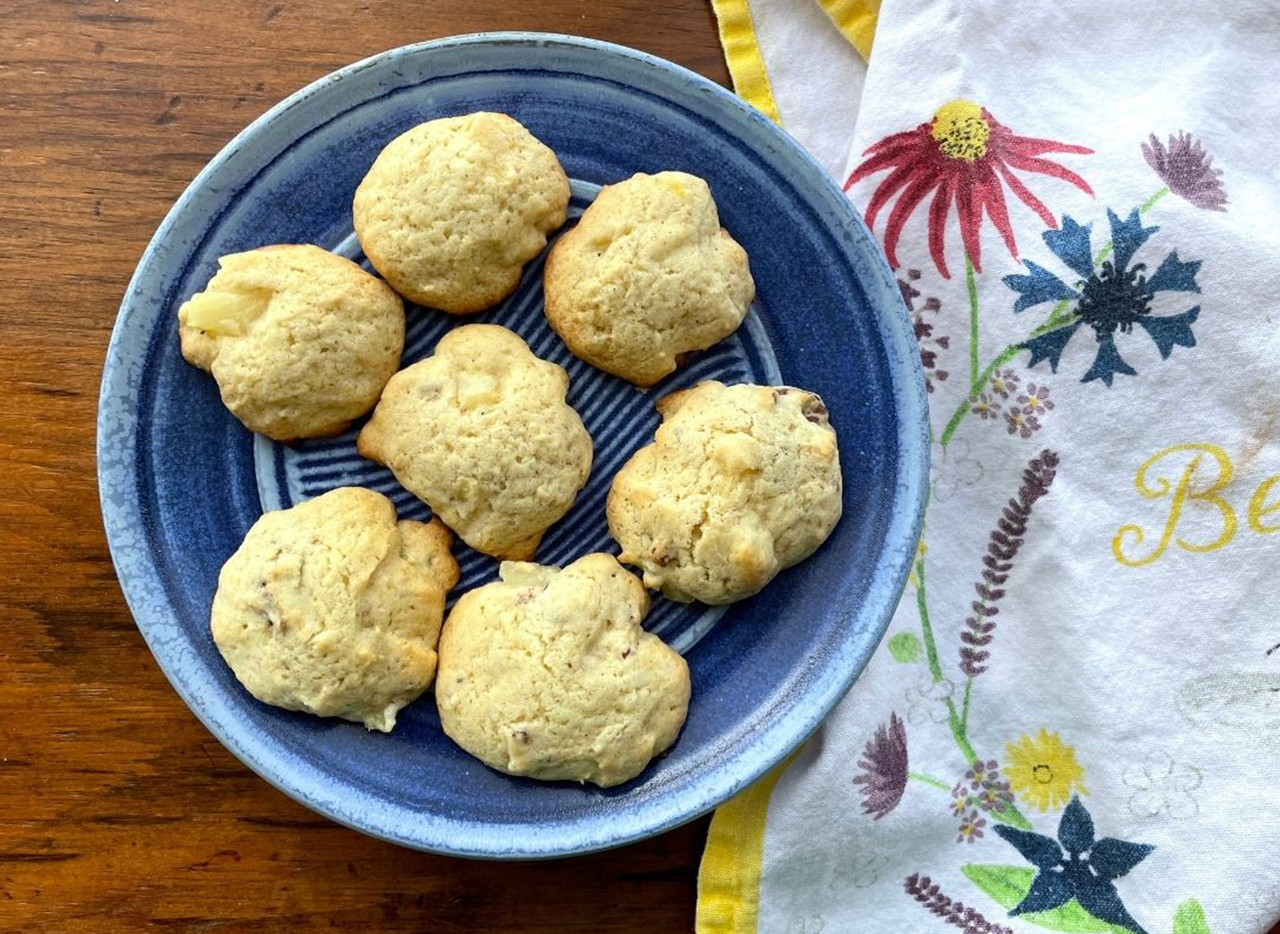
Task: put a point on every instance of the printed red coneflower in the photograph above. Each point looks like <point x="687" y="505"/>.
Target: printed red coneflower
<point x="965" y="155"/>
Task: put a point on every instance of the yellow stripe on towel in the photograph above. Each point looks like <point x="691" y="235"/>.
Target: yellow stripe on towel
<point x="856" y="20"/>
<point x="742" y="55"/>
<point x="729" y="879"/>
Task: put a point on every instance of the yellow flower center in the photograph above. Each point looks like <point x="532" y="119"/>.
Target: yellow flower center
<point x="961" y="131"/>
<point x="1043" y="774"/>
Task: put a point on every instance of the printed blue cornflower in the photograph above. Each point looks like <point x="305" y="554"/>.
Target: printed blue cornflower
<point x="1111" y="299"/>
<point x="1077" y="866"/>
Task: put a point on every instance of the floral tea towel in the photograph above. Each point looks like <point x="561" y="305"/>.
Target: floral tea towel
<point x="1073" y="722"/>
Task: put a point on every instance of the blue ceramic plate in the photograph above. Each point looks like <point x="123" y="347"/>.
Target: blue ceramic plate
<point x="182" y="481"/>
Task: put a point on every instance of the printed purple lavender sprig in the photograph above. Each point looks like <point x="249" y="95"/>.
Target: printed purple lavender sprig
<point x="930" y="343"/>
<point x="1003" y="545"/>
<point x="958" y="914"/>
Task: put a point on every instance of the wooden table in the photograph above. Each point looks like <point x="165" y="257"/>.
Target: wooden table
<point x="118" y="811"/>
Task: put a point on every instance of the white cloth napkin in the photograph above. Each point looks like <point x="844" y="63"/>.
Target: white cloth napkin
<point x="1073" y="721"/>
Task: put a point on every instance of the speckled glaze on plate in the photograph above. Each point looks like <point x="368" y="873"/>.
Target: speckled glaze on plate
<point x="181" y="480"/>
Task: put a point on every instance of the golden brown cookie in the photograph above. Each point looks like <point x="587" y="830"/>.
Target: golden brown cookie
<point x="299" y="340"/>
<point x="647" y="276"/>
<point x="452" y="210"/>
<point x="334" y="608"/>
<point x="739" y="483"/>
<point x="480" y="431"/>
<point x="548" y="674"/>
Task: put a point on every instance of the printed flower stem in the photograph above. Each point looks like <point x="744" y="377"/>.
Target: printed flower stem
<point x="930" y="780"/>
<point x="958" y="416"/>
<point x="935" y="667"/>
<point x="974" y="383"/>
<point x="1009" y="814"/>
<point x="964" y="709"/>
<point x="930" y="648"/>
<point x="1146" y="206"/>
<point x="1056" y="320"/>
<point x="1151" y="202"/>
<point x="959" y="732"/>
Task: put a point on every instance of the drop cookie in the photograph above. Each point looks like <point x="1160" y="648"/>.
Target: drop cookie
<point x="548" y="674"/>
<point x="299" y="340"/>
<point x="480" y="431"/>
<point x="739" y="483"/>
<point x="452" y="210"/>
<point x="333" y="607"/>
<point x="647" y="276"/>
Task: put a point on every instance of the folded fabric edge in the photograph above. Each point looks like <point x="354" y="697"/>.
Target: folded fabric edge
<point x="729" y="877"/>
<point x="742" y="55"/>
<point x="856" y="20"/>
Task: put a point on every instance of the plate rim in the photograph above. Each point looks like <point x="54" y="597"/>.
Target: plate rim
<point x="705" y="792"/>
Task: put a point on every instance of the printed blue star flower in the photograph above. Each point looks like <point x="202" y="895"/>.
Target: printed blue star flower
<point x="1076" y="866"/>
<point x="1109" y="300"/>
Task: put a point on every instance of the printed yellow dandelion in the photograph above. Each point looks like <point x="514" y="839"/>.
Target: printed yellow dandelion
<point x="1042" y="771"/>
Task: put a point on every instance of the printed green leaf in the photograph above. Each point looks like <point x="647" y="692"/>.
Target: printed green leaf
<point x="905" y="647"/>
<point x="1189" y="919"/>
<point x="1009" y="885"/>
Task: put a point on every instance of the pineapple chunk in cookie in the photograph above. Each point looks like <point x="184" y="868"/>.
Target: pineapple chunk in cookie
<point x="300" y="341"/>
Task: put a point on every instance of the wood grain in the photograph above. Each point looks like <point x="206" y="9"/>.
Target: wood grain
<point x="118" y="811"/>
